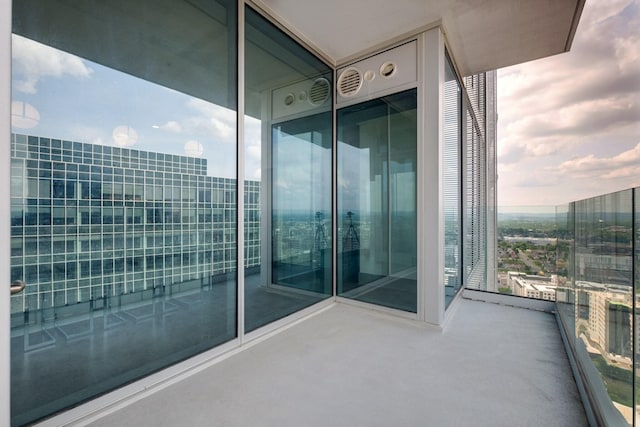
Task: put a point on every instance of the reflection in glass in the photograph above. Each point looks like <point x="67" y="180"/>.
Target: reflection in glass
<point x="301" y="254"/>
<point x="603" y="266"/>
<point x="636" y="306"/>
<point x="288" y="151"/>
<point x="474" y="211"/>
<point x="122" y="192"/>
<point x="377" y="201"/>
<point x="452" y="137"/>
<point x="565" y="290"/>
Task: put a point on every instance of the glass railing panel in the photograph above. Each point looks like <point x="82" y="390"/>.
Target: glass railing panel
<point x="288" y="156"/>
<point x="565" y="290"/>
<point x="122" y="197"/>
<point x="636" y="305"/>
<point x="603" y="274"/>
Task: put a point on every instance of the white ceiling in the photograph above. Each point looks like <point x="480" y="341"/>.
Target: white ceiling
<point x="482" y="34"/>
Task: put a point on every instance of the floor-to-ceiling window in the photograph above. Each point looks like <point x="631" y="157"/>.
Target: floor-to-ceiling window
<point x="377" y="247"/>
<point x="452" y="138"/>
<point x="288" y="155"/>
<point x="123" y="193"/>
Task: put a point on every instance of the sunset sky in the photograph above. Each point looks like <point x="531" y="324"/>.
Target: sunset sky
<point x="569" y="125"/>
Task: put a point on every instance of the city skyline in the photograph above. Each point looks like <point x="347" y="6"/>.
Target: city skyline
<point x="586" y="129"/>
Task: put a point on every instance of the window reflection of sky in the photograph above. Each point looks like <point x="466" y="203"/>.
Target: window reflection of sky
<point x="299" y="163"/>
<point x="59" y="95"/>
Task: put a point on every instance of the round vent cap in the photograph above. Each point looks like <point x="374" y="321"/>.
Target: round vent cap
<point x="388" y="69"/>
<point x="349" y="82"/>
<point x="289" y="99"/>
<point x="319" y="92"/>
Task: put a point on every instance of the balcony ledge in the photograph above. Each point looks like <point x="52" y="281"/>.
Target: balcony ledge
<point x="493" y="365"/>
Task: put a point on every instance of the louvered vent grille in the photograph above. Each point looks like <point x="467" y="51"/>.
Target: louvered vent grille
<point x="349" y="82"/>
<point x="319" y="91"/>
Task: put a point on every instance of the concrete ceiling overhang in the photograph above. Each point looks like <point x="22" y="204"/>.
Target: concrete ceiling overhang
<point x="190" y="45"/>
<point x="482" y="34"/>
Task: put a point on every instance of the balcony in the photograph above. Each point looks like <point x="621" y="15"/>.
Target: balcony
<point x="492" y="364"/>
<point x="165" y="256"/>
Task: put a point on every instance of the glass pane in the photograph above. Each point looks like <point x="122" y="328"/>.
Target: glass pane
<point x="123" y="120"/>
<point x="452" y="135"/>
<point x="475" y="186"/>
<point x="636" y="313"/>
<point x="565" y="291"/>
<point x="288" y="170"/>
<point x="604" y="286"/>
<point x="377" y="248"/>
<point x="301" y="196"/>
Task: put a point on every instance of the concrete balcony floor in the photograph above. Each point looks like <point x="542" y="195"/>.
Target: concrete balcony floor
<point x="348" y="366"/>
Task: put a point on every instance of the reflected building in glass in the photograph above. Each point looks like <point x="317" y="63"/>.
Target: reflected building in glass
<point x="91" y="222"/>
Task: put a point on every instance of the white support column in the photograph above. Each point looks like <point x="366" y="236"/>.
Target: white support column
<point x="5" y="208"/>
<point x="431" y="290"/>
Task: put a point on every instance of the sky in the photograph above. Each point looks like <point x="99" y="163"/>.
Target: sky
<point x="569" y="125"/>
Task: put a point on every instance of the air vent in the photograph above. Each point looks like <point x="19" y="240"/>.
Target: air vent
<point x="319" y="91"/>
<point x="289" y="99"/>
<point x="388" y="69"/>
<point x="349" y="82"/>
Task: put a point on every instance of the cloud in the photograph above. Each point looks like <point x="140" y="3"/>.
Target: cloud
<point x="602" y="64"/>
<point x="124" y="136"/>
<point x="570" y="115"/>
<point x="252" y="148"/>
<point x="208" y="120"/>
<point x="591" y="166"/>
<point x="212" y="119"/>
<point x="24" y="115"/>
<point x="538" y="178"/>
<point x="92" y="135"/>
<point x="193" y="148"/>
<point x="171" y="126"/>
<point x="32" y="61"/>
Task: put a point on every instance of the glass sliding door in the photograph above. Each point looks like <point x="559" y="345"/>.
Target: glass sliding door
<point x="301" y="191"/>
<point x="123" y="193"/>
<point x="377" y="231"/>
<point x="288" y="155"/>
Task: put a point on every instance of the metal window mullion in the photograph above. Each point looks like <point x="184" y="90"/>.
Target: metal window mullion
<point x="334" y="193"/>
<point x="240" y="175"/>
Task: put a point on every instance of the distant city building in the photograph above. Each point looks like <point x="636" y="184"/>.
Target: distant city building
<point x="532" y="286"/>
<point x="90" y="220"/>
<point x="609" y="319"/>
<point x="606" y="267"/>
